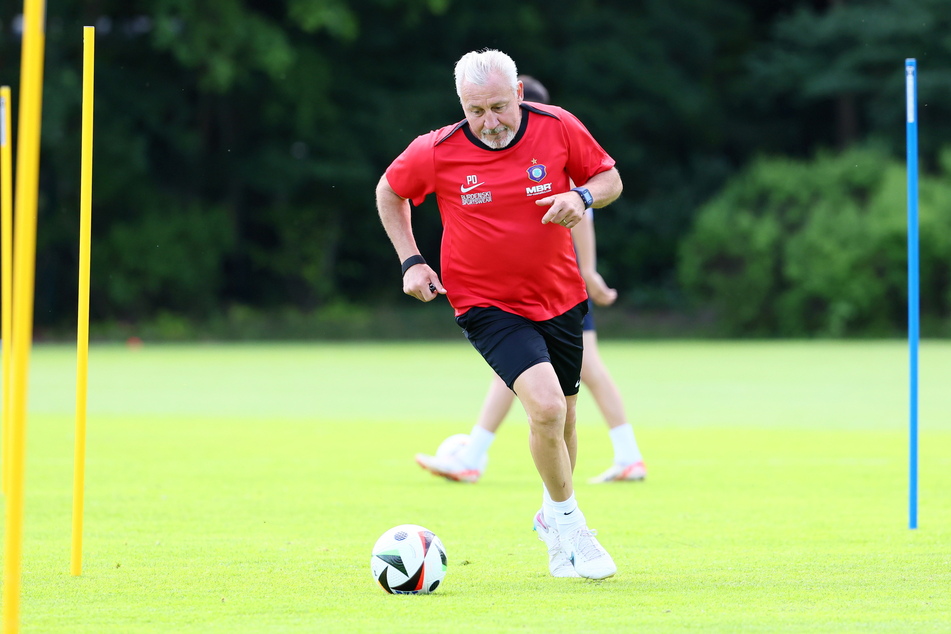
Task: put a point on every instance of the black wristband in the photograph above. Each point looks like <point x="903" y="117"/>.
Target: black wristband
<point x="412" y="260"/>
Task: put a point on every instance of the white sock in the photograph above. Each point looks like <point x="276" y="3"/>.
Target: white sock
<point x="480" y="440"/>
<point x="568" y="517"/>
<point x="626" y="451"/>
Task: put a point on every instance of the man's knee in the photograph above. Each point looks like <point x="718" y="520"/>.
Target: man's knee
<point x="548" y="412"/>
<point x="541" y="395"/>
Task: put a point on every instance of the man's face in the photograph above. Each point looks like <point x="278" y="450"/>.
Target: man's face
<point x="492" y="110"/>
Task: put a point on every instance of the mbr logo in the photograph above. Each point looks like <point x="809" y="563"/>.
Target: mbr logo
<point x="536" y="190"/>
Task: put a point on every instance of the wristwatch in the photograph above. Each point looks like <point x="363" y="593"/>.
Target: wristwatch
<point x="585" y="196"/>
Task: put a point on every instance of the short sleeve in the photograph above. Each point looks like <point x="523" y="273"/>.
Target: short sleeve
<point x="412" y="174"/>
<point x="586" y="157"/>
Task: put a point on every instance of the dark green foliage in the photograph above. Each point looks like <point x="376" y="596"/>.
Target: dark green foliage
<point x="835" y="76"/>
<point x="796" y="248"/>
<point x="245" y="138"/>
<point x="167" y="260"/>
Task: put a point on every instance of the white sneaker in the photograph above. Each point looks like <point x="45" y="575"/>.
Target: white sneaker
<point x="630" y="473"/>
<point x="587" y="555"/>
<point x="448" y="467"/>
<point x="558" y="563"/>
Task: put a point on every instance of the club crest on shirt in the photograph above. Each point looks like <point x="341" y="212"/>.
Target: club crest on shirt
<point x="537" y="173"/>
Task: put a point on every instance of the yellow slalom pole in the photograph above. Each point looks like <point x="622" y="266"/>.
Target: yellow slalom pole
<point x="24" y="272"/>
<point x="82" y="329"/>
<point x="6" y="274"/>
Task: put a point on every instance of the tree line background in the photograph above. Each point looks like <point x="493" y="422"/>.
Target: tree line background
<point x="238" y="143"/>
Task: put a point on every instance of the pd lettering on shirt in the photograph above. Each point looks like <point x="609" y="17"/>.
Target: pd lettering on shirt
<point x="478" y="198"/>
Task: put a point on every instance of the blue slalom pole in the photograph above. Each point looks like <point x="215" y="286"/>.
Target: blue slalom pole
<point x="911" y="98"/>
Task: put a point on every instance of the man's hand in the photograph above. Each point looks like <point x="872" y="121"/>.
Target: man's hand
<point x="565" y="209"/>
<point x="422" y="283"/>
<point x="599" y="292"/>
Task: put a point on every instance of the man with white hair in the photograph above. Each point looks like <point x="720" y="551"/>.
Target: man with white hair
<point x="503" y="184"/>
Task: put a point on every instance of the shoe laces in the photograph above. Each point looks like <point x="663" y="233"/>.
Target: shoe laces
<point x="587" y="546"/>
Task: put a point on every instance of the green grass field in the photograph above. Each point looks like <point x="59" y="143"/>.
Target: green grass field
<point x="240" y="488"/>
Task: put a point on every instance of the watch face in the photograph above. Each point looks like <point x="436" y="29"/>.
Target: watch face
<point x="585" y="196"/>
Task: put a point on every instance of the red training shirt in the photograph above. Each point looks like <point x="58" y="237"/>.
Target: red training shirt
<point x="495" y="249"/>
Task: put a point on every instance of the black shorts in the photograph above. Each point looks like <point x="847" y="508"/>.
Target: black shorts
<point x="588" y="323"/>
<point x="512" y="344"/>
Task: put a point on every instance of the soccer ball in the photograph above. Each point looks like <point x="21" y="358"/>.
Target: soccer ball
<point x="408" y="559"/>
<point x="454" y="444"/>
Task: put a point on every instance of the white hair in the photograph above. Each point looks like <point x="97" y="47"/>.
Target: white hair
<point x="476" y="67"/>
